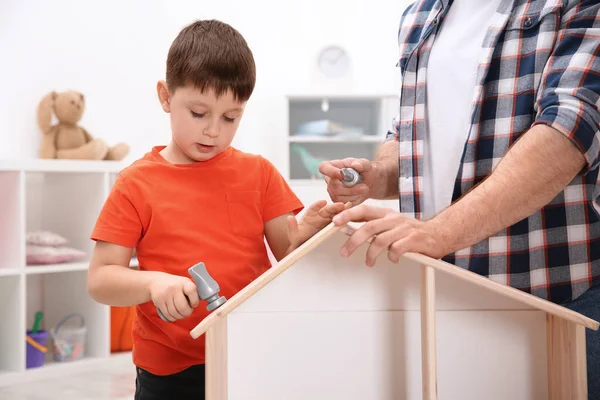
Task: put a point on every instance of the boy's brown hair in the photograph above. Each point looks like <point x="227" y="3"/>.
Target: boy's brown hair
<point x="211" y="54"/>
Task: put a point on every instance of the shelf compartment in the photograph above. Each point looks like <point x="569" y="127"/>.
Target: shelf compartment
<point x="360" y="114"/>
<point x="62" y="293"/>
<point x="67" y="204"/>
<point x="12" y="298"/>
<point x="11" y="228"/>
<point x="307" y="155"/>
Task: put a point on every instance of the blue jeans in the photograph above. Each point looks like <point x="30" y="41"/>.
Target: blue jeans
<point x="588" y="304"/>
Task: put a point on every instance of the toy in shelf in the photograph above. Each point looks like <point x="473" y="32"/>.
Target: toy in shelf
<point x="68" y="140"/>
<point x="45" y="247"/>
<point x="36" y="340"/>
<point x="327" y="128"/>
<point x="69" y="341"/>
<point x="310" y="162"/>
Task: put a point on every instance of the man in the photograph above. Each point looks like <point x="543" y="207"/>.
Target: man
<point x="494" y="154"/>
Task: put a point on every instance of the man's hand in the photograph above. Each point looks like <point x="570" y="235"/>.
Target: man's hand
<point x="357" y="194"/>
<point x="316" y="217"/>
<point x="390" y="231"/>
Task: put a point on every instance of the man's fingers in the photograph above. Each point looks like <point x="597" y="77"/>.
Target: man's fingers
<point x="356" y="190"/>
<point x="379" y="244"/>
<point x="359" y="213"/>
<point x="361" y="165"/>
<point x="331" y="168"/>
<point x="364" y="233"/>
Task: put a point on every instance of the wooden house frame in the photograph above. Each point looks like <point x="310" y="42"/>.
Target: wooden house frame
<point x="565" y="329"/>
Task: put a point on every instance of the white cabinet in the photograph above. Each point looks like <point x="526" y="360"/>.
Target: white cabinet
<point x="63" y="197"/>
<point x="334" y="127"/>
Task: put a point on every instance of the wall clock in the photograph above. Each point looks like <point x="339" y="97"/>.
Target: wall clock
<point x="333" y="62"/>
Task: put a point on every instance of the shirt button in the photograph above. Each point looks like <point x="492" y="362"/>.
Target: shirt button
<point x="528" y="22"/>
<point x="435" y="21"/>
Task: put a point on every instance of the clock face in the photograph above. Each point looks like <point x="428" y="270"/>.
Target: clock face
<point x="334" y="62"/>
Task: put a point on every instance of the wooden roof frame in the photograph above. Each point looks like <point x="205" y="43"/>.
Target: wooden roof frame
<point x="566" y="346"/>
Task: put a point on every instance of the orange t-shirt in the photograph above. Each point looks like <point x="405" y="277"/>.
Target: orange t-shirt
<point x="178" y="215"/>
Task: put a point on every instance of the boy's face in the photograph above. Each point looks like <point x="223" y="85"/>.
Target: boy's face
<point x="202" y="124"/>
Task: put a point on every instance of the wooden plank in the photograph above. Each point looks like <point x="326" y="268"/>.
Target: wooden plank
<point x="216" y="361"/>
<point x="428" y="339"/>
<point x="567" y="362"/>
<point x="439" y="265"/>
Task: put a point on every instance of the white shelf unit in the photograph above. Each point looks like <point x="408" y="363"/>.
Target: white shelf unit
<point x="65" y="197"/>
<point x="369" y="116"/>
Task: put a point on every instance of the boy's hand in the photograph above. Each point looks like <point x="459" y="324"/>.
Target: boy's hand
<point x="176" y="296"/>
<point x="316" y="217"/>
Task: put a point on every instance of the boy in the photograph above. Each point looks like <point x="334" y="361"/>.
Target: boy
<point x="196" y="199"/>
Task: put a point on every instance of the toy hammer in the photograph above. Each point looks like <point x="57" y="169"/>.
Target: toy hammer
<point x="208" y="288"/>
<point x="350" y="177"/>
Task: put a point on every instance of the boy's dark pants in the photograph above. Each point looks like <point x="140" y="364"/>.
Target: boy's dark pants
<point x="187" y="384"/>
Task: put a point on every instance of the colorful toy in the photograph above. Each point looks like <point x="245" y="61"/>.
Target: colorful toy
<point x="310" y="162"/>
<point x="36" y="339"/>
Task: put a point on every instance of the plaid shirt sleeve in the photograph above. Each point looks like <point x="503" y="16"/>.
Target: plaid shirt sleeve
<point x="392" y="133"/>
<point x="569" y="100"/>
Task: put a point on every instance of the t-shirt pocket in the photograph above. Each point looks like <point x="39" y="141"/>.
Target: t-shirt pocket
<point x="245" y="215"/>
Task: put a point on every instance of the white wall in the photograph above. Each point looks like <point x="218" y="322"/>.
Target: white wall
<point x="115" y="51"/>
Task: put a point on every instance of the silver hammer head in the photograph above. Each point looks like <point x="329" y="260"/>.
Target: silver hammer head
<point x="208" y="288"/>
<point x="350" y="177"/>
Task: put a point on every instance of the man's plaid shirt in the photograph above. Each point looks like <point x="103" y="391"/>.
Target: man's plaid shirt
<point x="539" y="64"/>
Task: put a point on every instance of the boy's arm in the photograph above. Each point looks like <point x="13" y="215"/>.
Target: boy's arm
<point x="277" y="235"/>
<point x="284" y="233"/>
<point x="112" y="282"/>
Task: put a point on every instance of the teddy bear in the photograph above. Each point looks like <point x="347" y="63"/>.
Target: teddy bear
<point x="66" y="139"/>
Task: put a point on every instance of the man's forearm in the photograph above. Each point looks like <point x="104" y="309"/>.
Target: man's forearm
<point x="534" y="171"/>
<point x="387" y="172"/>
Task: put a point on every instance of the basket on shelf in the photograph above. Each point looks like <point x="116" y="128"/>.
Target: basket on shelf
<point x="69" y="341"/>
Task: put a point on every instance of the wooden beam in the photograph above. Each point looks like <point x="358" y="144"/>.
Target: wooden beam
<point x="567" y="362"/>
<point x="216" y="361"/>
<point x="428" y="342"/>
<point x="506" y="291"/>
<point x="439" y="265"/>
